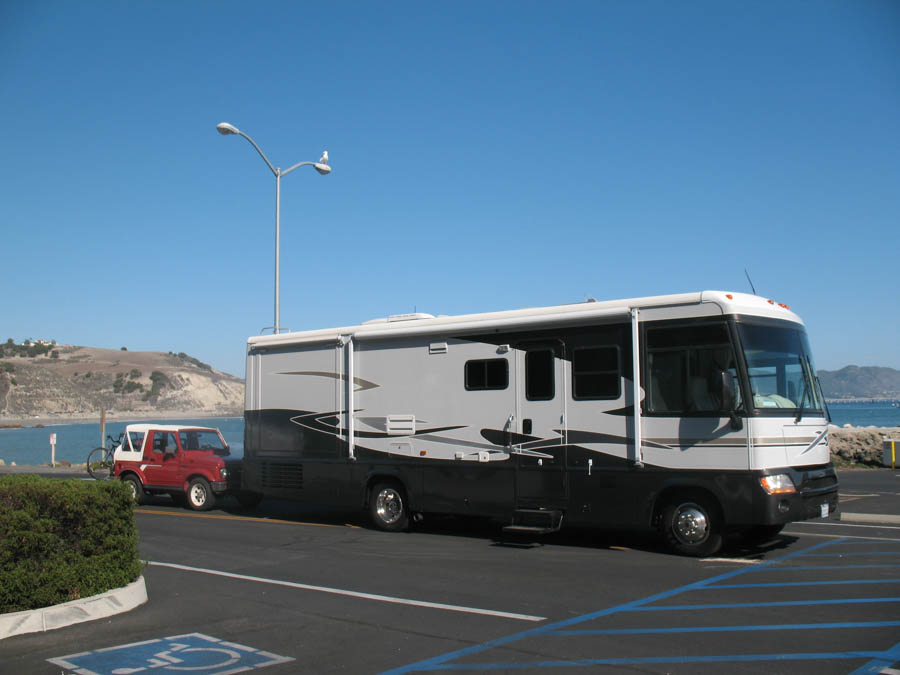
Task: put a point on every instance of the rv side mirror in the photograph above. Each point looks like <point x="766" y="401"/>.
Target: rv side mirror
<point x="724" y="388"/>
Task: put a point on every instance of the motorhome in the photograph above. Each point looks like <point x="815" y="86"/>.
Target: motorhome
<point x="528" y="416"/>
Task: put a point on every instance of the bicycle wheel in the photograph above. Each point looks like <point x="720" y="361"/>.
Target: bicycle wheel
<point x="100" y="464"/>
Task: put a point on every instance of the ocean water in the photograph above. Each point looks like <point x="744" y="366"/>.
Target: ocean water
<point x="865" y="414"/>
<point x="31" y="445"/>
<point x="74" y="441"/>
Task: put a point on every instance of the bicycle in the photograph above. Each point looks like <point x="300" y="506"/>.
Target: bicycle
<point x="100" y="460"/>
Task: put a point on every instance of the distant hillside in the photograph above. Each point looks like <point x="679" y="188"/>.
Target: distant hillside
<point x="78" y="381"/>
<point x="861" y="382"/>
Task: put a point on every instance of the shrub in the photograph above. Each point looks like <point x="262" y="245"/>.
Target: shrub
<point x="61" y="540"/>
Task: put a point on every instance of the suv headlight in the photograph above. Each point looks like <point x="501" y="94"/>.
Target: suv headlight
<point x="778" y="484"/>
<point x="223" y="473"/>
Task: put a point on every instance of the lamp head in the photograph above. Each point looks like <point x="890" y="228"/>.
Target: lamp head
<point x="226" y="129"/>
<point x="323" y="169"/>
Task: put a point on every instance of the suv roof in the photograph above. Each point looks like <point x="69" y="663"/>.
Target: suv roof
<point x="165" y="427"/>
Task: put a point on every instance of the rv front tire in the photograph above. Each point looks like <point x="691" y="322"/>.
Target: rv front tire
<point x="691" y="526"/>
<point x="387" y="507"/>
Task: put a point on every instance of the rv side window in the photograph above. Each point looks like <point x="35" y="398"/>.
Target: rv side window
<point x="539" y="375"/>
<point x="682" y="363"/>
<point x="487" y="374"/>
<point x="595" y="373"/>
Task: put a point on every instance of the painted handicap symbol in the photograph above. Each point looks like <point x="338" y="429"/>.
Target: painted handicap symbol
<point x="168" y="661"/>
<point x="194" y="652"/>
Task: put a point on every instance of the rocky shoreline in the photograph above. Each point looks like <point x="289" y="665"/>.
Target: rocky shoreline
<point x="860" y="446"/>
<point x="115" y="416"/>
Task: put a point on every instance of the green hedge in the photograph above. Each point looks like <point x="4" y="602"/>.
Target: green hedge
<point x="62" y="540"/>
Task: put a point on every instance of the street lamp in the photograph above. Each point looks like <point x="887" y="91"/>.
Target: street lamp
<point x="321" y="166"/>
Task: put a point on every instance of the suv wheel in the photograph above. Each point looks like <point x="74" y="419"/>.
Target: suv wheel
<point x="134" y="486"/>
<point x="200" y="496"/>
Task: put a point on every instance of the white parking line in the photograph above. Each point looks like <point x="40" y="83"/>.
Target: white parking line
<point x="352" y="594"/>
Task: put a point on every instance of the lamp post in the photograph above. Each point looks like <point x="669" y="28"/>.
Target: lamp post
<point x="321" y="166"/>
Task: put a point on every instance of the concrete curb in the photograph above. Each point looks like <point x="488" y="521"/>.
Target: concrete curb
<point x="99" y="606"/>
<point x="878" y="518"/>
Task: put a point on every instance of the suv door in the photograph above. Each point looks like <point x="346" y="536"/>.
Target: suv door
<point x="163" y="455"/>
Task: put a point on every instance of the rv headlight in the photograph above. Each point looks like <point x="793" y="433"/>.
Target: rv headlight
<point x="778" y="484"/>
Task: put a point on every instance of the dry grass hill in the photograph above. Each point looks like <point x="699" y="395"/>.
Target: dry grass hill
<point x="78" y="381"/>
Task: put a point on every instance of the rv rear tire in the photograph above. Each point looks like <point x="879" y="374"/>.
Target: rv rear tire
<point x="691" y="526"/>
<point x="387" y="507"/>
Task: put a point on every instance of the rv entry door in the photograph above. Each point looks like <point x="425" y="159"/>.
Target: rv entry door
<point x="539" y="446"/>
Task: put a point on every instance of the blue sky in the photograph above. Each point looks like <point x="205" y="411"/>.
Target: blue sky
<point x="486" y="156"/>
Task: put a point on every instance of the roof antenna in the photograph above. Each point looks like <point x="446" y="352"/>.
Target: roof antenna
<point x="750" y="280"/>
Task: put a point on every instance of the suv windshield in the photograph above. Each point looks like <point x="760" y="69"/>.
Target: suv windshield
<point x="200" y="439"/>
<point x="780" y="366"/>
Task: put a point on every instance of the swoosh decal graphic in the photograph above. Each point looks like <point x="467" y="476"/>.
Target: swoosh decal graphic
<point x="361" y="384"/>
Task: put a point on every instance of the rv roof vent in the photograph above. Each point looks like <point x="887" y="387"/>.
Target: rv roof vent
<point x="409" y="317"/>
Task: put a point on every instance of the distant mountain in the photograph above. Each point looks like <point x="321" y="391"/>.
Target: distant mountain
<point x="861" y="382"/>
<point x="74" y="382"/>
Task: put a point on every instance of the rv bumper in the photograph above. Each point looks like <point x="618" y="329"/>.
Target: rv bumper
<point x="815" y="495"/>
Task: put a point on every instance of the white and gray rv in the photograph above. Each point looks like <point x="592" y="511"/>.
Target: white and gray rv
<point x="528" y="416"/>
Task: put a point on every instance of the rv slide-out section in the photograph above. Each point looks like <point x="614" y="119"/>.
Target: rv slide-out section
<point x="529" y="416"/>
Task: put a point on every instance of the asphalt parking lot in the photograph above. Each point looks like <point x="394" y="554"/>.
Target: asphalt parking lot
<point x="293" y="590"/>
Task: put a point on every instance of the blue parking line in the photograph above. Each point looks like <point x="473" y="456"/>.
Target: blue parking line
<point x="842" y="554"/>
<point x="807" y="583"/>
<point x="816" y="568"/>
<point x="870" y="542"/>
<point x="729" y="629"/>
<point x="879" y="663"/>
<point x="877" y="657"/>
<point x="438" y="662"/>
<point x="740" y="605"/>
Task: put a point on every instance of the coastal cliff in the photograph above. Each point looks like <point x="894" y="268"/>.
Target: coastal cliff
<point x="77" y="382"/>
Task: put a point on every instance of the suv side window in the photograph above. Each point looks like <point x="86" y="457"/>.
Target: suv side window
<point x="137" y="440"/>
<point x="163" y="441"/>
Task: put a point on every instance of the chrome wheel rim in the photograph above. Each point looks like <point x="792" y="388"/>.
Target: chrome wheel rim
<point x="389" y="506"/>
<point x="690" y="524"/>
<point x="198" y="495"/>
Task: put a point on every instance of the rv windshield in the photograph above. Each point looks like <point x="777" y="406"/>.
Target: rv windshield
<point x="780" y="366"/>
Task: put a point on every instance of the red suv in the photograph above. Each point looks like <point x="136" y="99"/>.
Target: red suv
<point x="190" y="463"/>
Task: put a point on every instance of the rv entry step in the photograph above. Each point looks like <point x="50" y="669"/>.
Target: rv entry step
<point x="534" y="521"/>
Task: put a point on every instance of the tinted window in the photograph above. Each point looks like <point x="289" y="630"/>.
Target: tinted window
<point x="683" y="363"/>
<point x="595" y="372"/>
<point x="487" y="374"/>
<point x="539" y="375"/>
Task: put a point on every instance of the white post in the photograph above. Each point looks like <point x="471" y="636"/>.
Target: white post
<point x="636" y="391"/>
<point x="53" y="450"/>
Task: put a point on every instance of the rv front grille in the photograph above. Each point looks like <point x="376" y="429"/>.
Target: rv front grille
<point x="281" y="475"/>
